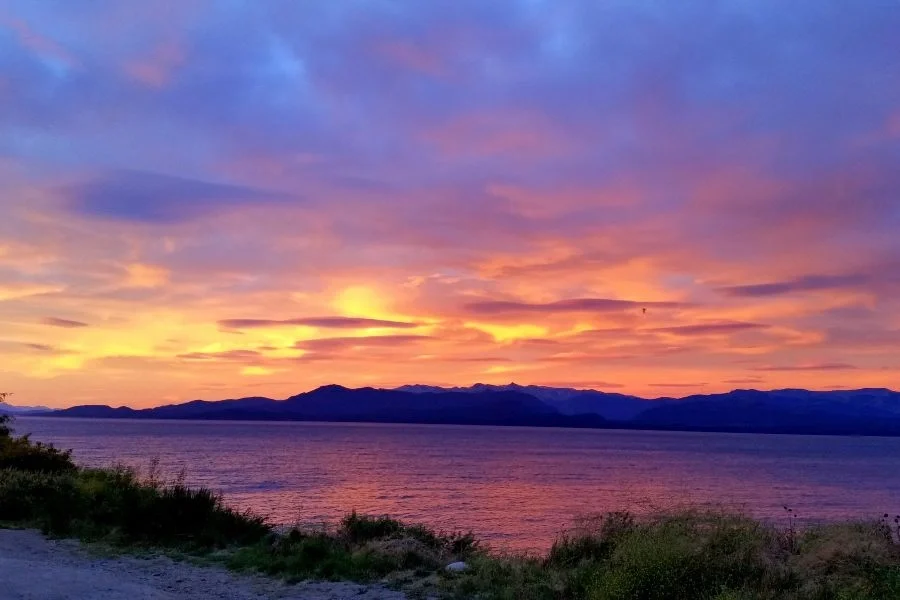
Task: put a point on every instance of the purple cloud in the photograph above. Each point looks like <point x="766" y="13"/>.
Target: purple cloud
<point x="677" y="385"/>
<point x="236" y="355"/>
<point x="573" y="305"/>
<point x="711" y="328"/>
<point x="323" y="322"/>
<point x="808" y="283"/>
<point x="342" y="343"/>
<point x="64" y="323"/>
<point x="159" y="199"/>
<point x="810" y="367"/>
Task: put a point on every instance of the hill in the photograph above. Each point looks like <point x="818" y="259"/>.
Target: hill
<point x="851" y="412"/>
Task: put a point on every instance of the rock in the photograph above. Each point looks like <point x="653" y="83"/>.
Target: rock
<point x="456" y="567"/>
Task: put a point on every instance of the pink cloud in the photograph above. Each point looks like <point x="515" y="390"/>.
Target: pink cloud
<point x="157" y="68"/>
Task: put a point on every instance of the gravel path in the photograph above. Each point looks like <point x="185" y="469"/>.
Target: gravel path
<point x="35" y="568"/>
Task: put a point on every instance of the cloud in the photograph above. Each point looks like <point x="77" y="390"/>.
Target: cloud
<point x="809" y="367"/>
<point x="333" y="344"/>
<point x="677" y="385"/>
<point x="466" y="359"/>
<point x="807" y="283"/>
<point x="744" y="380"/>
<point x="47" y="349"/>
<point x="710" y="328"/>
<point x="236" y="355"/>
<point x="146" y="276"/>
<point x="539" y="170"/>
<point x="322" y="322"/>
<point x="159" y="199"/>
<point x="40" y="347"/>
<point x="64" y="323"/>
<point x="16" y="290"/>
<point x="573" y="305"/>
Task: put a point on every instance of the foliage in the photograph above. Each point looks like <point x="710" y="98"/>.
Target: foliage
<point x="41" y="486"/>
<point x="22" y="453"/>
<point x="362" y="548"/>
<point x="697" y="555"/>
<point x="114" y="505"/>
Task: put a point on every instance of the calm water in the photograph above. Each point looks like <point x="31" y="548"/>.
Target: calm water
<point x="517" y="487"/>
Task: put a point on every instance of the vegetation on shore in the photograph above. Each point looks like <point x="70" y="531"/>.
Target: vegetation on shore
<point x="690" y="554"/>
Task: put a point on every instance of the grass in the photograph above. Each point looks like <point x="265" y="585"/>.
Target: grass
<point x="689" y="554"/>
<point x="697" y="555"/>
<point x="361" y="548"/>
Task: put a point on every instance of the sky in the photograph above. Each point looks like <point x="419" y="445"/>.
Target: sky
<point x="222" y="198"/>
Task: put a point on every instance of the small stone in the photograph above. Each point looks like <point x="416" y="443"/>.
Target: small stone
<point x="456" y="567"/>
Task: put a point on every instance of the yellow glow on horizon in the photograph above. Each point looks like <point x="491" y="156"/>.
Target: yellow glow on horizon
<point x="359" y="301"/>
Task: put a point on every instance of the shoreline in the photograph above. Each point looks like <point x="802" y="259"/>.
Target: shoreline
<point x="892" y="432"/>
<point x="692" y="553"/>
<point x="34" y="566"/>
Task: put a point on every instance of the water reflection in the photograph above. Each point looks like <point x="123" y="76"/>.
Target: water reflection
<point x="517" y="487"/>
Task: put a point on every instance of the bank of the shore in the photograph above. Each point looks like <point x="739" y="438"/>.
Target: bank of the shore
<point x="34" y="567"/>
<point x="687" y="554"/>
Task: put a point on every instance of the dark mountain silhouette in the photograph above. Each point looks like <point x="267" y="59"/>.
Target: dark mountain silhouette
<point x="856" y="412"/>
<point x="11" y="409"/>
<point x="873" y="412"/>
<point x="568" y="401"/>
<point x="337" y="403"/>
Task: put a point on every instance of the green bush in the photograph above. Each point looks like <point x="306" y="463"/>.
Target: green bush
<point x="21" y="453"/>
<point x="592" y="541"/>
<point x="848" y="560"/>
<point x="154" y="513"/>
<point x="507" y="578"/>
<point x="114" y="505"/>
<point x="362" y="528"/>
<point x="685" y="555"/>
<point x="361" y="548"/>
<point x="45" y="500"/>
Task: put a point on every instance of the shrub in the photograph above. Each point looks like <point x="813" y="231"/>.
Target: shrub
<point x="45" y="500"/>
<point x="848" y="560"/>
<point x="362" y="528"/>
<point x="687" y="555"/>
<point x="507" y="578"/>
<point x="156" y="513"/>
<point x="593" y="540"/>
<point x="113" y="504"/>
<point x="21" y="453"/>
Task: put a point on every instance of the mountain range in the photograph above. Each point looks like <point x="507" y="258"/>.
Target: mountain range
<point x="9" y="409"/>
<point x="846" y="412"/>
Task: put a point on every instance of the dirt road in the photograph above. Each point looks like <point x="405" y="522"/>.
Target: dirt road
<point x="35" y="568"/>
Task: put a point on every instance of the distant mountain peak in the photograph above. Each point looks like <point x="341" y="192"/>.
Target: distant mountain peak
<point x="13" y="409"/>
<point x="331" y="387"/>
<point x="872" y="411"/>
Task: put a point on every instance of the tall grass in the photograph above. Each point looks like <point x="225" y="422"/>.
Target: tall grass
<point x="361" y="547"/>
<point x="697" y="555"/>
<point x="22" y="453"/>
<point x="42" y="487"/>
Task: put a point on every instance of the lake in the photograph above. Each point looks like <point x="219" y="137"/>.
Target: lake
<point x="515" y="487"/>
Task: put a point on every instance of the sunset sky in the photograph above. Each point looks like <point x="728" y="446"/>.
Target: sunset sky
<point x="210" y="199"/>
